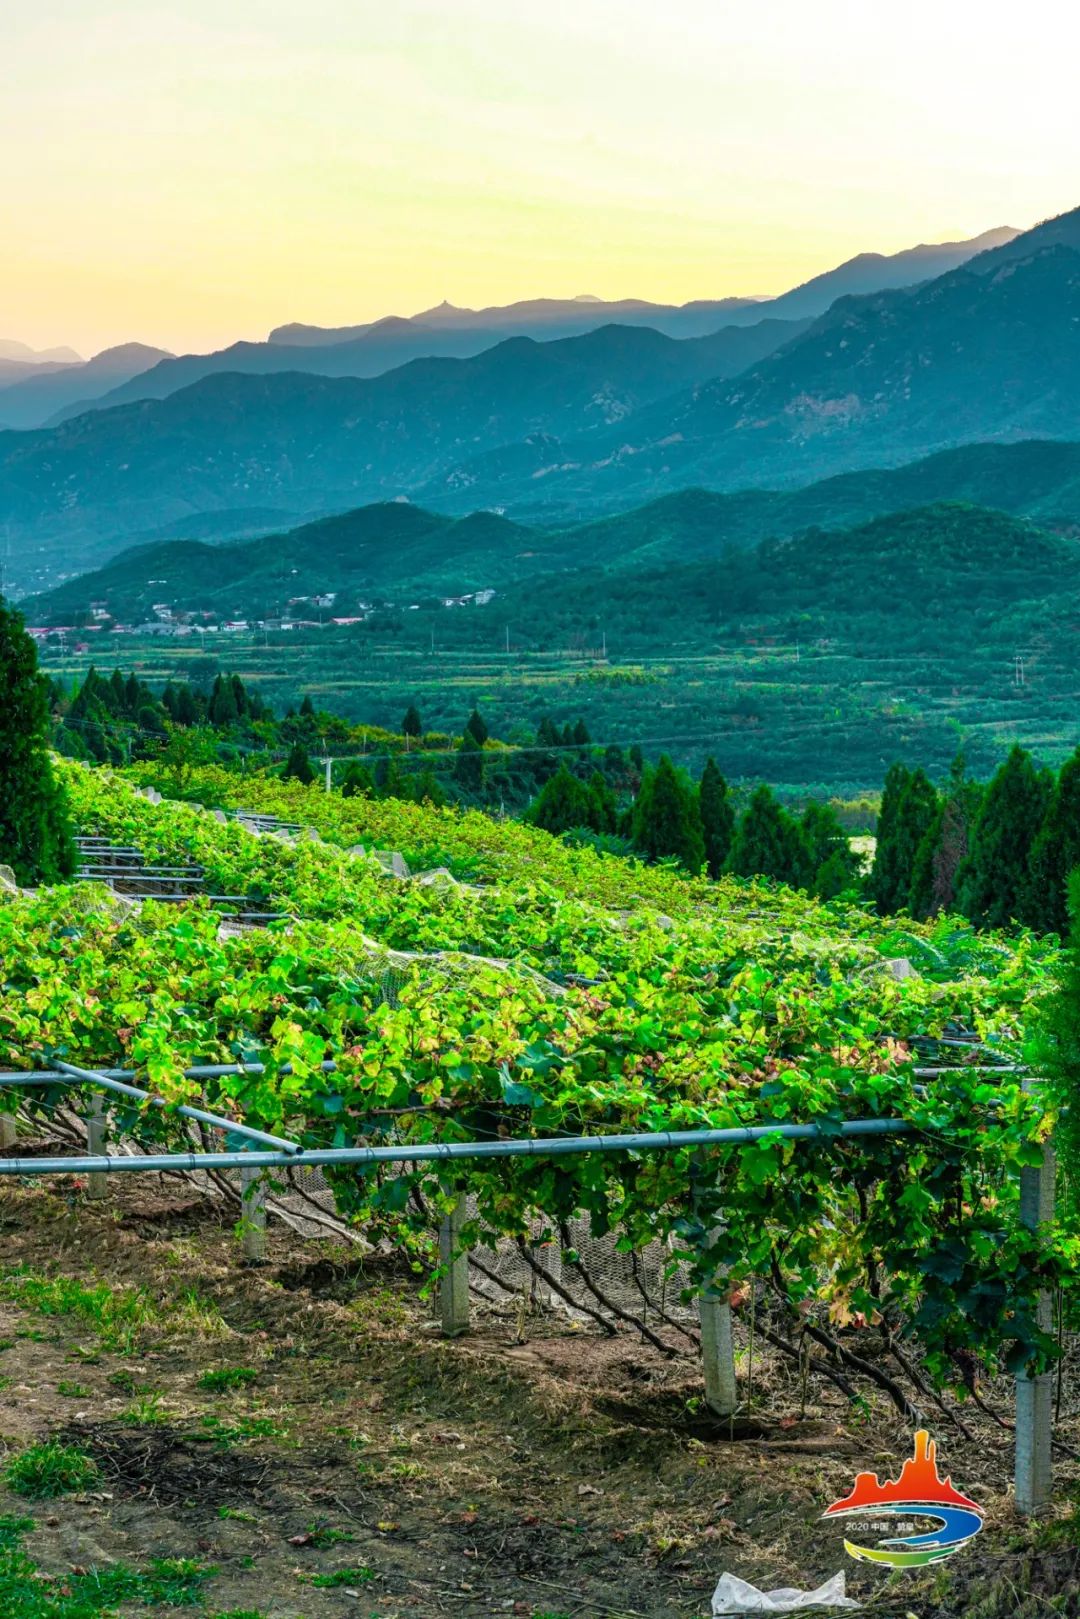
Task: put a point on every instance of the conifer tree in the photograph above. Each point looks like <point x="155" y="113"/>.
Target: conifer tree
<point x="469" y="764"/>
<point x="357" y="781"/>
<point x="475" y="727"/>
<point x="1055" y="853"/>
<point x="666" y="819"/>
<point x="307" y="708"/>
<point x="563" y="802"/>
<point x="411" y="725"/>
<point x="603" y="811"/>
<point x="429" y="790"/>
<point x="717" y="817"/>
<point x="944" y="846"/>
<point x="995" y="880"/>
<point x="909" y="808"/>
<point x="581" y="735"/>
<point x="831" y="864"/>
<point x="767" y="842"/>
<point x="187" y="710"/>
<point x="35" y="833"/>
<point x="298" y="766"/>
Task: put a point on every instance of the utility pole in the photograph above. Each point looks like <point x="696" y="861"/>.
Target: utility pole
<point x="1019" y="677"/>
<point x="508" y="639"/>
<point x="329" y="763"/>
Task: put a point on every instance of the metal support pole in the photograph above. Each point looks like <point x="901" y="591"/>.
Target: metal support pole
<point x="96" y="1185"/>
<point x="253" y="1219"/>
<point x="1035" y="1395"/>
<point x="454" y="1286"/>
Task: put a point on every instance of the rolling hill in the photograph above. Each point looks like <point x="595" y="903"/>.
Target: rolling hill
<point x="400" y="551"/>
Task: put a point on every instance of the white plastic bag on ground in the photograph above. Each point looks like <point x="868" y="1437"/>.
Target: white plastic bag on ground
<point x="734" y="1596"/>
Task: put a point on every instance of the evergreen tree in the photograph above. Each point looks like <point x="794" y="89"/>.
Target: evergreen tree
<point x="909" y="808"/>
<point x="667" y="820"/>
<point x="133" y="695"/>
<point x="475" y="727"/>
<point x="357" y="781"/>
<point x="581" y="735"/>
<point x="410" y="725"/>
<point x="187" y="710"/>
<point x="307" y="709"/>
<point x="1055" y="853"/>
<point x="35" y="833"/>
<point x="221" y="710"/>
<point x="298" y="767"/>
<point x="768" y="842"/>
<point x="831" y="864"/>
<point x="429" y="790"/>
<point x="563" y="802"/>
<point x="240" y="696"/>
<point x="469" y="764"/>
<point x="889" y="883"/>
<point x="117" y="698"/>
<point x="168" y="699"/>
<point x="547" y="733"/>
<point x="717" y="817"/>
<point x="994" y="883"/>
<point x="944" y="846"/>
<point x="603" y="811"/>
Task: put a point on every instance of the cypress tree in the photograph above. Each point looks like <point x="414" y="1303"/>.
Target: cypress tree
<point x="944" y="846"/>
<point x="307" y="709"/>
<point x="888" y="882"/>
<point x="475" y="727"/>
<point x="831" y="864"/>
<point x="357" y="781"/>
<point x="909" y="808"/>
<point x="410" y="725"/>
<point x="717" y="817"/>
<point x="667" y="820"/>
<point x="581" y="735"/>
<point x="1055" y="853"/>
<point x="35" y="833"/>
<point x="298" y="767"/>
<point x="994" y="882"/>
<point x="562" y="802"/>
<point x="240" y="696"/>
<point x="133" y="695"/>
<point x="767" y="842"/>
<point x="469" y="764"/>
<point x="222" y="707"/>
<point x="187" y="711"/>
<point x="603" y="811"/>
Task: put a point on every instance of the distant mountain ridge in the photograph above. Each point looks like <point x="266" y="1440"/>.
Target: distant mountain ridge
<point x="372" y="348"/>
<point x="302" y="442"/>
<point x="45" y="389"/>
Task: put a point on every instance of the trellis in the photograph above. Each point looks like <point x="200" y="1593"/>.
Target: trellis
<point x="261" y="1151"/>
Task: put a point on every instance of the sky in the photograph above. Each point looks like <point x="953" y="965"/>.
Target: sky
<point x="193" y="172"/>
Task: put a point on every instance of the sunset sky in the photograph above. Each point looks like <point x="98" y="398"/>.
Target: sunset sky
<point x="187" y="173"/>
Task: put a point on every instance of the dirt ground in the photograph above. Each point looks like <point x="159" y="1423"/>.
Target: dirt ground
<point x="567" y="1475"/>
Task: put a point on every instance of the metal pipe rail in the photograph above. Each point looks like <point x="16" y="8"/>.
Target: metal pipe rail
<point x="451" y="1151"/>
<point x="87" y="1076"/>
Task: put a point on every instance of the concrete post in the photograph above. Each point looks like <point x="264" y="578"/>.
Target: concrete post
<point x="96" y="1185"/>
<point x="253" y="1216"/>
<point x="718" y="1356"/>
<point x="7" y="1131"/>
<point x="1035" y="1395"/>
<point x="454" y="1285"/>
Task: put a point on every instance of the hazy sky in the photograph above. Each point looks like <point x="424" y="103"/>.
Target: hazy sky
<point x="190" y="172"/>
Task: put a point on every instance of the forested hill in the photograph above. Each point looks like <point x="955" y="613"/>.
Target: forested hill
<point x="395" y="549"/>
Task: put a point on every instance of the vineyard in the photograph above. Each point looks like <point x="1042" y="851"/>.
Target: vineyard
<point x="431" y="977"/>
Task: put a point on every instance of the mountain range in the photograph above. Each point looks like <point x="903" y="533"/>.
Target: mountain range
<point x="555" y="432"/>
<point x="42" y="391"/>
<point x="370" y="349"/>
